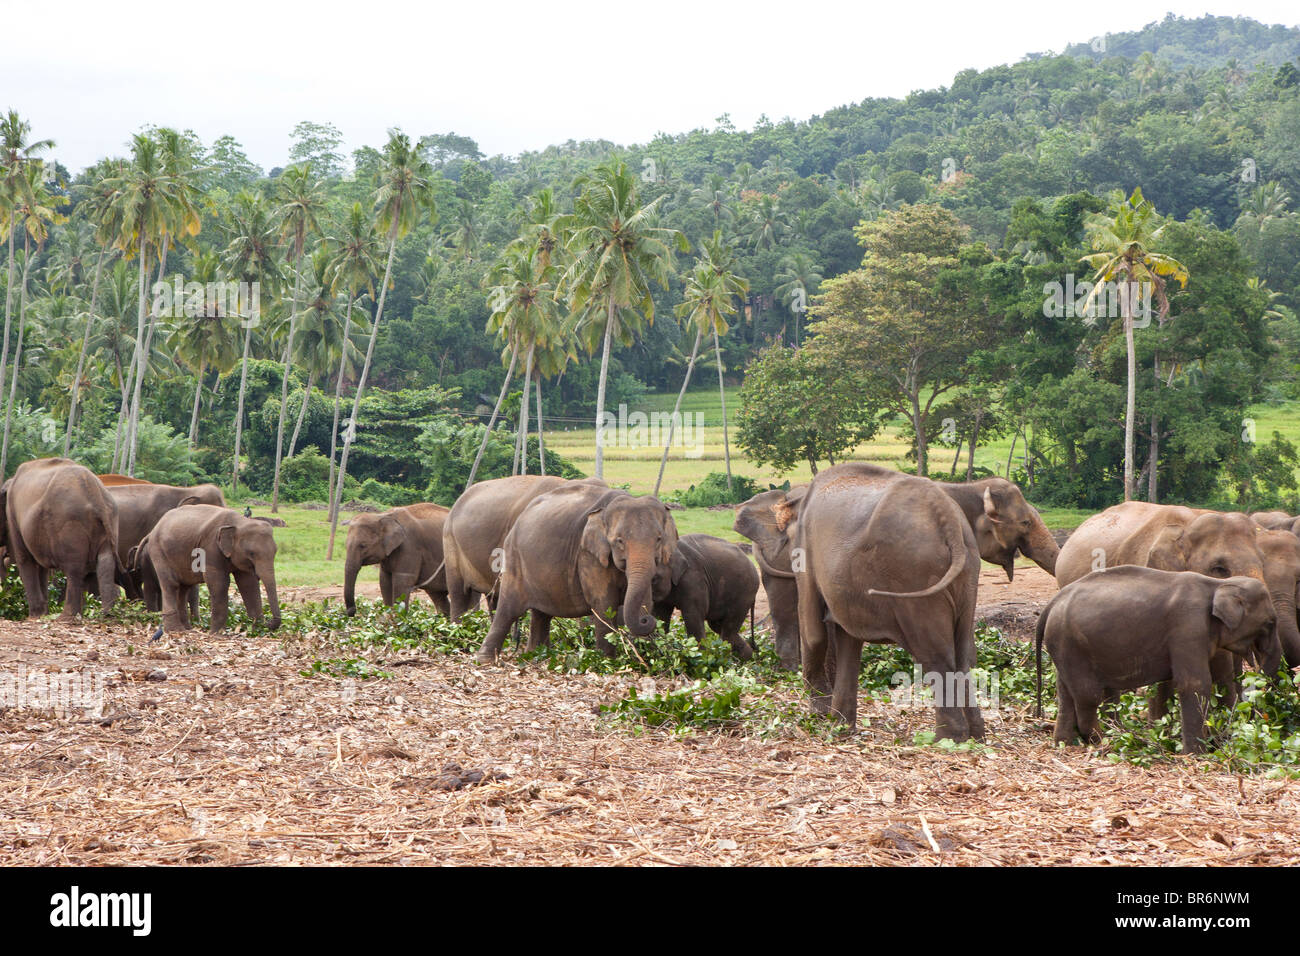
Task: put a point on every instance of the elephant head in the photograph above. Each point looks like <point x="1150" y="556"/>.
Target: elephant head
<point x="769" y="519"/>
<point x="1281" y="551"/>
<point x="249" y="546"/>
<point x="1217" y="544"/>
<point x="636" y="536"/>
<point x="371" y="539"/>
<point x="1009" y="524"/>
<point x="1245" y="612"/>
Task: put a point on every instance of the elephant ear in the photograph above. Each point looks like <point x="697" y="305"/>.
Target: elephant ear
<point x="677" y="564"/>
<point x="226" y="539"/>
<point x="189" y="500"/>
<point x="393" y="535"/>
<point x="992" y="505"/>
<point x="1166" y="552"/>
<point x="787" y="509"/>
<point x="1229" y="606"/>
<point x="668" y="547"/>
<point x="595" y="538"/>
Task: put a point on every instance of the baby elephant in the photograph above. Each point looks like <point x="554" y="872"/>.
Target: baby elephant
<point x="708" y="580"/>
<point x="1128" y="626"/>
<point x="206" y="544"/>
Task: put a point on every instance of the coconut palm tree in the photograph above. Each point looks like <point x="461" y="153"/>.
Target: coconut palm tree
<point x="253" y="255"/>
<point x="302" y="201"/>
<point x="404" y="193"/>
<point x="767" y="225"/>
<point x="618" y="250"/>
<point x="799" y="277"/>
<point x="354" y="262"/>
<point x="1123" y="239"/>
<point x="206" y="340"/>
<point x="709" y="298"/>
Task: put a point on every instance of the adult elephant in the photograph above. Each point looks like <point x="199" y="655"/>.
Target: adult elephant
<point x="406" y="543"/>
<point x="141" y="504"/>
<point x="475" y="532"/>
<point x="1281" y="551"/>
<point x="59" y="517"/>
<point x="1003" y="522"/>
<point x="885" y="558"/>
<point x="582" y="550"/>
<point x="1164" y="537"/>
<point x="207" y="544"/>
<point x="110" y="480"/>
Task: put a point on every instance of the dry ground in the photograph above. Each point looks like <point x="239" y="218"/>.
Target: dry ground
<point x="216" y="750"/>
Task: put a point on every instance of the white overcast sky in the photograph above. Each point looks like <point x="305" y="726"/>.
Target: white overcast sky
<point x="513" y="75"/>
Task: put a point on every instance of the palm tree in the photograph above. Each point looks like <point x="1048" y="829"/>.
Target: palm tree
<point x="798" y="278"/>
<point x="207" y="339"/>
<point x="251" y="255"/>
<point x="404" y="191"/>
<point x="618" y="251"/>
<point x="17" y="153"/>
<point x="302" y="199"/>
<point x="708" y="299"/>
<point x="713" y="195"/>
<point x="354" y="263"/>
<point x="1123" y="238"/>
<point x="767" y="224"/>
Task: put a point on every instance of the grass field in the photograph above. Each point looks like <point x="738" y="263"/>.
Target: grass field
<point x="635" y="463"/>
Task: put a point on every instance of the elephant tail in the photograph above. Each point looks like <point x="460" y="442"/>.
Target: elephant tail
<point x="1038" y="658"/>
<point x="956" y="547"/>
<point x="432" y="576"/>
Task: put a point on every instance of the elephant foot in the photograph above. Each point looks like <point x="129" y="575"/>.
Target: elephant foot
<point x="485" y="657"/>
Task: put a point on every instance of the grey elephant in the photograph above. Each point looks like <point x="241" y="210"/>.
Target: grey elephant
<point x="204" y="544"/>
<point x="582" y="550"/>
<point x="475" y="532"/>
<point x="406" y="543"/>
<point x="1274" y="520"/>
<point x="711" y="582"/>
<point x="1126" y="627"/>
<point x="884" y="558"/>
<point x="141" y="504"/>
<point x="57" y="516"/>
<point x="1003" y="522"/>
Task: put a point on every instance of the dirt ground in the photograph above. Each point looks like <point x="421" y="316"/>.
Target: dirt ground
<point x="214" y="750"/>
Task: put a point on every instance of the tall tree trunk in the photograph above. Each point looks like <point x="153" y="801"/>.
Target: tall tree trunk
<point x="144" y="367"/>
<point x="722" y="394"/>
<point x="600" y="389"/>
<point x="18" y="357"/>
<point x="350" y="432"/>
<point x="338" y="397"/>
<point x="124" y="388"/>
<point x="239" y="413"/>
<point x="922" y="448"/>
<point x="1130" y="409"/>
<point x="198" y="393"/>
<point x="302" y="412"/>
<point x="1153" y="454"/>
<point x="284" y="383"/>
<point x="541" y="442"/>
<point x="974" y="441"/>
<point x="81" y="359"/>
<point x="672" y="422"/>
<point x="138" y="362"/>
<point x="522" y="443"/>
<point x="9" y="292"/>
<point x="496" y="410"/>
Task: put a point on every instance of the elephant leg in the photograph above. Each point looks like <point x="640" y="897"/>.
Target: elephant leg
<point x="729" y="629"/>
<point x="951" y="686"/>
<point x="539" y="630"/>
<point x="1067" y="718"/>
<point x="192" y="596"/>
<point x="813" y="641"/>
<point x="38" y="600"/>
<point x="44" y="574"/>
<point x="170" y="593"/>
<point x="180" y="600"/>
<point x="106" y="575"/>
<point x="510" y="609"/>
<point x="1158" y="700"/>
<point x="386" y="586"/>
<point x="1195" y="688"/>
<point x="848" y="663"/>
<point x="440" y="601"/>
<point x="219" y="597"/>
<point x="1085" y="716"/>
<point x="247" y="583"/>
<point x="75" y="596"/>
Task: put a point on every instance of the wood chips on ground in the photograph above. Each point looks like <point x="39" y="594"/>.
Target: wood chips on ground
<point x="216" y="750"/>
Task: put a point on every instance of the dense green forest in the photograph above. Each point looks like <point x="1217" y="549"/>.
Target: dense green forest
<point x="470" y="264"/>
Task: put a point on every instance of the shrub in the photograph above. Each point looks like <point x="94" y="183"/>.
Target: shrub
<point x="712" y="490"/>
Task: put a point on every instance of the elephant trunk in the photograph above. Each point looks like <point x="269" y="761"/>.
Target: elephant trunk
<point x="267" y="576"/>
<point x="351" y="567"/>
<point x="1288" y="631"/>
<point x="640" y="572"/>
<point x="1042" y="547"/>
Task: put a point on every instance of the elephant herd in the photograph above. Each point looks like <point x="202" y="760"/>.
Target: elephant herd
<point x="1158" y="595"/>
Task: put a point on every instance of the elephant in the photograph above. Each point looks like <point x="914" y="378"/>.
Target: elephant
<point x="756" y="519"/>
<point x="1003" y="522"/>
<point x="1164" y="537"/>
<point x="1273" y="520"/>
<point x="1128" y="626"/>
<point x="208" y="544"/>
<point x="57" y="516"/>
<point x="141" y="566"/>
<point x="710" y="581"/>
<point x="476" y="529"/>
<point x="1281" y="551"/>
<point x="406" y="543"/>
<point x="581" y="550"/>
<point x="109" y="481"/>
<point x="141" y="504"/>
<point x="884" y="558"/>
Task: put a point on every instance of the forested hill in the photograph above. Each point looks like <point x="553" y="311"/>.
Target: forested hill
<point x="1204" y="43"/>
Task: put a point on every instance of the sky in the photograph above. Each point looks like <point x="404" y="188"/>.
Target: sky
<point x="514" y="76"/>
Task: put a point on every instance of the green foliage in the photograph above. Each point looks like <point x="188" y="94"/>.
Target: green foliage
<point x="447" y="448"/>
<point x="712" y="490"/>
<point x="163" y="455"/>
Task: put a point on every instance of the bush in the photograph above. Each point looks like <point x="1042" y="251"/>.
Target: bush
<point x="713" y="491"/>
<point x="449" y="447"/>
